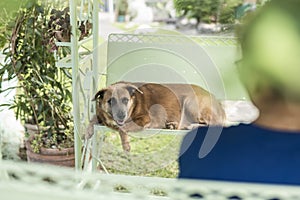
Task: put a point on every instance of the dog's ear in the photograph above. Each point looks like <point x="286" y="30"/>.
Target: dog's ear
<point x="132" y="88"/>
<point x="99" y="94"/>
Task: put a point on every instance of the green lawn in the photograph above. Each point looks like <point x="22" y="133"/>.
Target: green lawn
<point x="151" y="155"/>
<point x="9" y="7"/>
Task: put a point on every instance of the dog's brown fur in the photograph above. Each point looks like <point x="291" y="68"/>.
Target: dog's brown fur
<point x="129" y="107"/>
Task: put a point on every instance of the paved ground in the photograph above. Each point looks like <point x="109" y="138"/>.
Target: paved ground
<point x="106" y="27"/>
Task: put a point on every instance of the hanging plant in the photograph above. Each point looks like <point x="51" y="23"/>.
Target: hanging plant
<point x="59" y="27"/>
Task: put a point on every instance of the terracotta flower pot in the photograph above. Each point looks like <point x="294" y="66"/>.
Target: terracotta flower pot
<point x="61" y="157"/>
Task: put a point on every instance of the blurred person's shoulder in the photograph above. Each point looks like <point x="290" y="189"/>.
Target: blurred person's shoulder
<point x="233" y="135"/>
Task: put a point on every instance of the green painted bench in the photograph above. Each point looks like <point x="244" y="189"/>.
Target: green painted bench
<point x="164" y="58"/>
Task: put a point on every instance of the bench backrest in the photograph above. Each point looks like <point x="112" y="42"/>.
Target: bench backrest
<point x="206" y="61"/>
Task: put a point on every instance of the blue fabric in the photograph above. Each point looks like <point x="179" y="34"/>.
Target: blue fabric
<point x="244" y="153"/>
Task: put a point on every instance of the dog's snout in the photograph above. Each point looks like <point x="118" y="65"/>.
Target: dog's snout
<point x="121" y="115"/>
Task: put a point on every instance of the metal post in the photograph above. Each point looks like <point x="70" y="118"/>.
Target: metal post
<point x="95" y="44"/>
<point x="75" y="79"/>
<point x="95" y="63"/>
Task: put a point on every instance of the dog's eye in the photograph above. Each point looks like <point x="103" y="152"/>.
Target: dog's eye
<point x="125" y="101"/>
<point x="112" y="101"/>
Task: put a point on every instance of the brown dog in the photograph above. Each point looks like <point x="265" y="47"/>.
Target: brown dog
<point x="130" y="107"/>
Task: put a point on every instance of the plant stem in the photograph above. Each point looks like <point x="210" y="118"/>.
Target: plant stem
<point x="14" y="37"/>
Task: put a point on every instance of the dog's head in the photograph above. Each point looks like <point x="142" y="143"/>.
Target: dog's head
<point x="117" y="101"/>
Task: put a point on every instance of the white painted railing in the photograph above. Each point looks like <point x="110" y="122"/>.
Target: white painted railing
<point x="30" y="182"/>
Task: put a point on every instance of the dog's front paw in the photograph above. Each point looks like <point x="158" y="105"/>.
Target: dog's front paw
<point x="171" y="125"/>
<point x="126" y="146"/>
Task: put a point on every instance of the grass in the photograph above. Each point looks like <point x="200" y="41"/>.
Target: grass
<point x="9" y="7"/>
<point x="151" y="155"/>
<point x="132" y="26"/>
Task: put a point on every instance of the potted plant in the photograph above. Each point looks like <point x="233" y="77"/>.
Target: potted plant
<point x="43" y="100"/>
